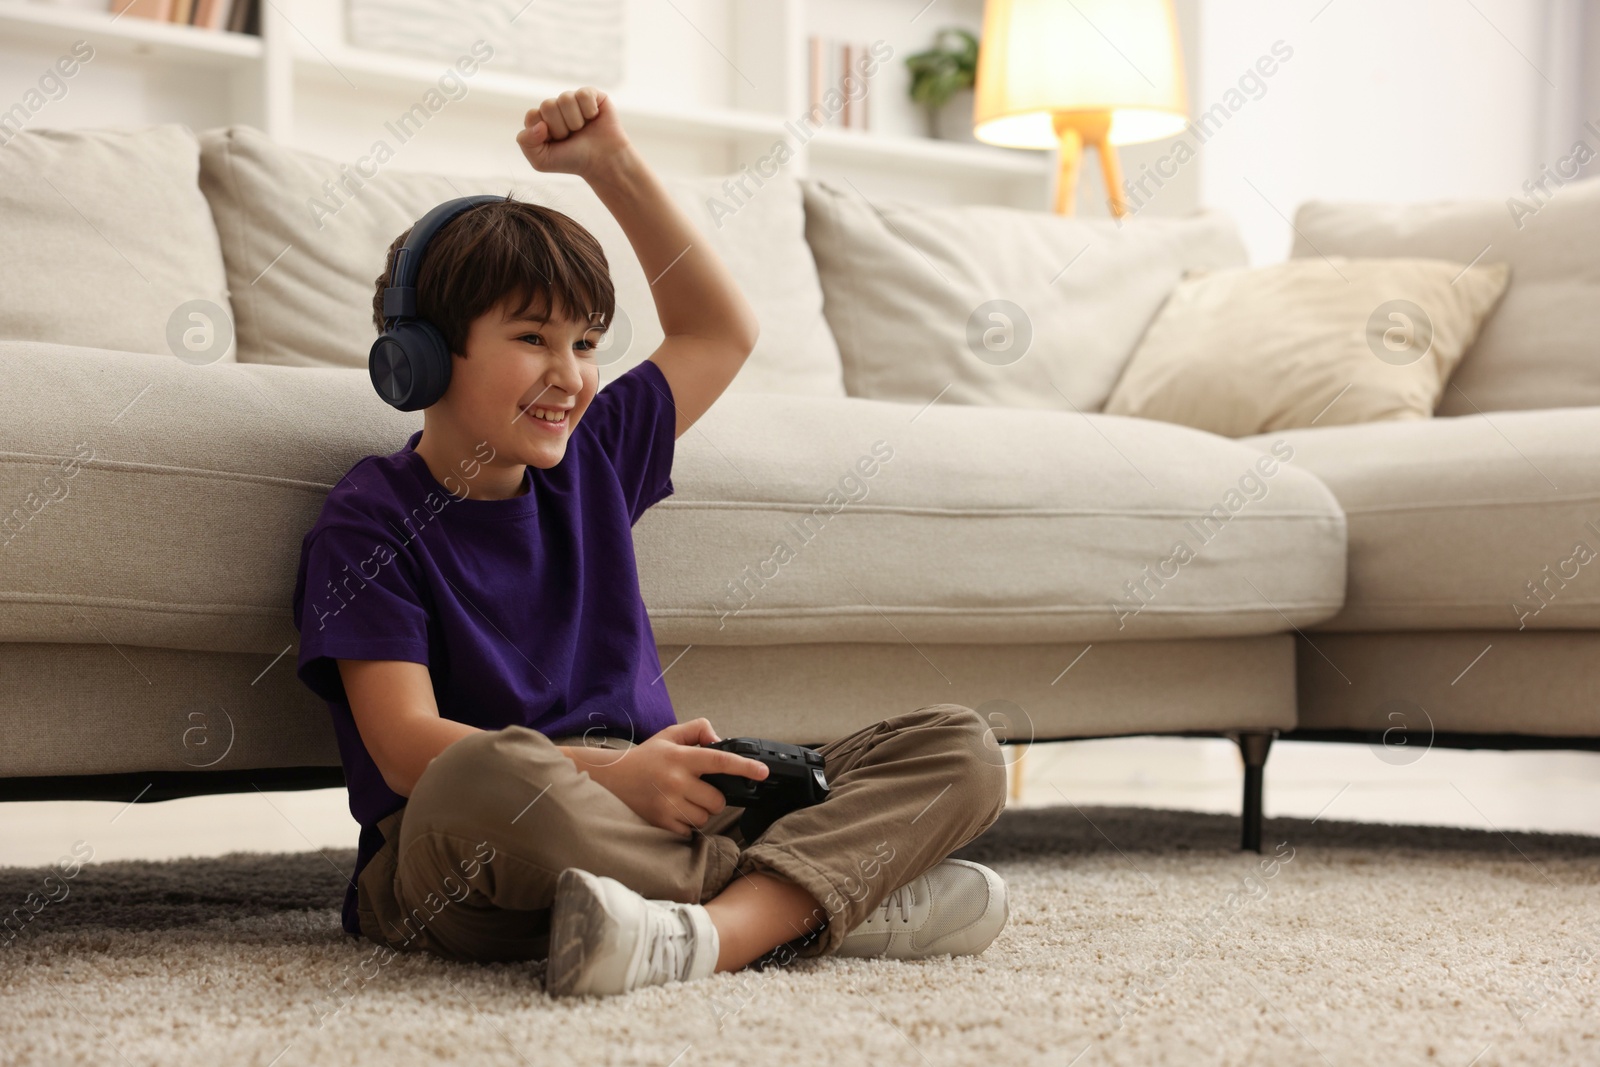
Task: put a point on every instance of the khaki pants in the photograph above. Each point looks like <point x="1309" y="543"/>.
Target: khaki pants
<point x="468" y="867"/>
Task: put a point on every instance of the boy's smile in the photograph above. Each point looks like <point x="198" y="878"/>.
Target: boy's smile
<point x="554" y="418"/>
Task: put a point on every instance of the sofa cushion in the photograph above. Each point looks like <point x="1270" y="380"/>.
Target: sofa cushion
<point x="303" y="257"/>
<point x="1307" y="342"/>
<point x="801" y="519"/>
<point x="108" y="243"/>
<point x="163" y="504"/>
<point x="994" y="305"/>
<point x="145" y="501"/>
<point x="1537" y="350"/>
<point x="1487" y="522"/>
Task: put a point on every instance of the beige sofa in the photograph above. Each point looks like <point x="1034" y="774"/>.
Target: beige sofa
<point x="188" y="317"/>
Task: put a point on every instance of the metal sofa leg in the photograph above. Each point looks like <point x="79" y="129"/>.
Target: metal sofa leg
<point x="1253" y="747"/>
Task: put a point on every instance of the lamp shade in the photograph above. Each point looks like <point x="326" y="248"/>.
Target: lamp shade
<point x="1041" y="58"/>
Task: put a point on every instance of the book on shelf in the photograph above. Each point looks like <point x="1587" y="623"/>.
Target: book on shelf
<point x="235" y="16"/>
<point x="839" y="87"/>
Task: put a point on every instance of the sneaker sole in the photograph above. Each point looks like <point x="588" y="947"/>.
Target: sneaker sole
<point x="579" y="925"/>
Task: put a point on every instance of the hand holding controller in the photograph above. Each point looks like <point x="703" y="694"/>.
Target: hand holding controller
<point x="795" y="779"/>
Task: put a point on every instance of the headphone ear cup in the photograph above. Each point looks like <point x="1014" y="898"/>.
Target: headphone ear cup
<point x="410" y="365"/>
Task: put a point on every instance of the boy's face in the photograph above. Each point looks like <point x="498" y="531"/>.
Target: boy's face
<point x="525" y="384"/>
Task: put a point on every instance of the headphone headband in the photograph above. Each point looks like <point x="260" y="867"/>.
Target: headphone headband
<point x="400" y="297"/>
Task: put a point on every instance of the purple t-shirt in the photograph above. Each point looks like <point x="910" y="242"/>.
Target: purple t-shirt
<point x="525" y="610"/>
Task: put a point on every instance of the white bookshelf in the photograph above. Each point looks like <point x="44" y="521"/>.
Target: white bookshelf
<point x="684" y="97"/>
<point x="49" y="26"/>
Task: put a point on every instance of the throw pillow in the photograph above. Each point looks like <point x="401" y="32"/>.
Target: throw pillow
<point x="108" y="244"/>
<point x="1307" y="342"/>
<point x="995" y="305"/>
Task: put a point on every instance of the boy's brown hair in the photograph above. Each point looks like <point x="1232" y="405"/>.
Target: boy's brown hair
<point x="540" y="258"/>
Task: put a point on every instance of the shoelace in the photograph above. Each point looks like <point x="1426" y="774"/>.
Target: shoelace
<point x="900" y="898"/>
<point x="671" y="942"/>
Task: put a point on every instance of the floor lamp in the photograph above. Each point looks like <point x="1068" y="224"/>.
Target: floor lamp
<point x="1099" y="73"/>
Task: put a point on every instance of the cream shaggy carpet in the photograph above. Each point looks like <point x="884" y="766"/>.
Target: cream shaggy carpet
<point x="1136" y="937"/>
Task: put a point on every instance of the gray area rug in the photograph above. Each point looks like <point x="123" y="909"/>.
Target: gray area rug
<point x="1136" y="937"/>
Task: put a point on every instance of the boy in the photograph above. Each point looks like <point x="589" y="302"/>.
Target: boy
<point x="469" y="606"/>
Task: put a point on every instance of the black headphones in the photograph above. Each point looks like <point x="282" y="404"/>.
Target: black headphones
<point x="410" y="363"/>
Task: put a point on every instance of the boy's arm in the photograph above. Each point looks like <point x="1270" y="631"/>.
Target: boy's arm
<point x="400" y="725"/>
<point x="660" y="779"/>
<point x="399" y="722"/>
<point x="710" y="327"/>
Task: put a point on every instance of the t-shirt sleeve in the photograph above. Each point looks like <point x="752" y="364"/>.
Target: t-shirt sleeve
<point x="635" y="421"/>
<point x="359" y="600"/>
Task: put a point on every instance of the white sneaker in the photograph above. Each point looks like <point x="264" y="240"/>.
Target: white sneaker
<point x="607" y="939"/>
<point x="958" y="907"/>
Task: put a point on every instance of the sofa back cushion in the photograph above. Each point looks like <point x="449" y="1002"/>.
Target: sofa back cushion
<point x="107" y="243"/>
<point x="304" y="238"/>
<point x="1538" y="348"/>
<point x="994" y="305"/>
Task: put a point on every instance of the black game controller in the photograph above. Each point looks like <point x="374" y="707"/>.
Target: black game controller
<point x="795" y="779"/>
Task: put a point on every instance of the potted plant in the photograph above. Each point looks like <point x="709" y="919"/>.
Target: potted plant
<point x="941" y="82"/>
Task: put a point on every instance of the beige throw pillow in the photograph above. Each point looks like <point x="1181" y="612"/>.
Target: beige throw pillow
<point x="303" y="253"/>
<point x="107" y="243"/>
<point x="1311" y="341"/>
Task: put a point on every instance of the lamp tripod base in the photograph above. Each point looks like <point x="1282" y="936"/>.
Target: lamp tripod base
<point x="1077" y="130"/>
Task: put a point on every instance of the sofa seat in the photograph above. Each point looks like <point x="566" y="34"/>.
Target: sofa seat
<point x="1474" y="522"/>
<point x="182" y="528"/>
<point x="987" y="525"/>
<point x="975" y="525"/>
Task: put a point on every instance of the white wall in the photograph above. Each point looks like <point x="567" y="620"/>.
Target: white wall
<point x="1421" y="100"/>
<point x="1586" y="37"/>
